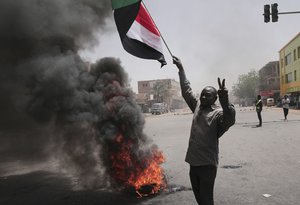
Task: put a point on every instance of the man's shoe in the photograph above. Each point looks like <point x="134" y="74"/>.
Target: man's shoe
<point x="258" y="125"/>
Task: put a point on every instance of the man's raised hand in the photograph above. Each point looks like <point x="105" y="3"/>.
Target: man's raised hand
<point x="222" y="92"/>
<point x="177" y="62"/>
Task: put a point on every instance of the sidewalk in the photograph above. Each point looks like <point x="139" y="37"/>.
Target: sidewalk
<point x="252" y="108"/>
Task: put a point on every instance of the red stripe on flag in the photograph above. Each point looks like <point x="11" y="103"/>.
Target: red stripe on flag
<point x="145" y="20"/>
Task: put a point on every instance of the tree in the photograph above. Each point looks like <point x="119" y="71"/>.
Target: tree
<point x="246" y="87"/>
<point x="161" y="91"/>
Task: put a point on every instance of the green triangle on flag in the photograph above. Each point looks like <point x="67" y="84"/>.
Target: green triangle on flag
<point x="116" y="4"/>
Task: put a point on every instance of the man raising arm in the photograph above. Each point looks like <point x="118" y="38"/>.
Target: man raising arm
<point x="209" y="123"/>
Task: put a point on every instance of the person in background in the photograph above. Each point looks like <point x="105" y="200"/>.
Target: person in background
<point x="285" y="105"/>
<point x="209" y="123"/>
<point x="258" y="107"/>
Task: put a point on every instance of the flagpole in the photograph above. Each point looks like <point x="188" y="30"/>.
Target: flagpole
<point x="158" y="30"/>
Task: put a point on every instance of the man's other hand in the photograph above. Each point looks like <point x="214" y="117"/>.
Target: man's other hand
<point x="222" y="92"/>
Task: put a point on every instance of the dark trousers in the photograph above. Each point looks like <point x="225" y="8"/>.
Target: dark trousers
<point x="259" y="117"/>
<point x="203" y="180"/>
<point x="285" y="112"/>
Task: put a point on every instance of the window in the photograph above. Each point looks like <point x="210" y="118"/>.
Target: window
<point x="288" y="59"/>
<point x="271" y="81"/>
<point x="295" y="56"/>
<point x="295" y="76"/>
<point x="289" y="77"/>
<point x="299" y="52"/>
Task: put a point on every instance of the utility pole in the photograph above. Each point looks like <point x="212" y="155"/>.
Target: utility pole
<point x="274" y="12"/>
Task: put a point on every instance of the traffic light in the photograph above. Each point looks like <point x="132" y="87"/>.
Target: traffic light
<point x="267" y="13"/>
<point x="274" y="12"/>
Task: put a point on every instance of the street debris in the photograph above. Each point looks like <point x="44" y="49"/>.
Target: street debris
<point x="267" y="195"/>
<point x="231" y="166"/>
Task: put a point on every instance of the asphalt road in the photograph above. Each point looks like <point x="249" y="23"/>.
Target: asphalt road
<point x="253" y="162"/>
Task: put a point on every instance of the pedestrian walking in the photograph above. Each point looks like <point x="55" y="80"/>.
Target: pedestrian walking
<point x="258" y="107"/>
<point x="209" y="123"/>
<point x="285" y="105"/>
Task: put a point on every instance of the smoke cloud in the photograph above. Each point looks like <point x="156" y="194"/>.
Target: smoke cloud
<point x="52" y="103"/>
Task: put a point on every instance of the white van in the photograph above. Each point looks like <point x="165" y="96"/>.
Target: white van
<point x="270" y="102"/>
<point x="158" y="108"/>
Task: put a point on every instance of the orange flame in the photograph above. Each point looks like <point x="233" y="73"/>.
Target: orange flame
<point x="135" y="171"/>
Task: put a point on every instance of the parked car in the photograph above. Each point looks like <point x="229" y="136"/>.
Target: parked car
<point x="270" y="102"/>
<point x="158" y="108"/>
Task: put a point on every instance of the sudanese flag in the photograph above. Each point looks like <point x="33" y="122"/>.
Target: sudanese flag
<point x="139" y="35"/>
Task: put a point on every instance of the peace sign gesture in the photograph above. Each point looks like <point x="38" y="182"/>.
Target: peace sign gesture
<point x="222" y="92"/>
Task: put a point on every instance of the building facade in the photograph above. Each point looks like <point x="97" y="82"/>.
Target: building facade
<point x="269" y="81"/>
<point x="149" y="92"/>
<point x="289" y="64"/>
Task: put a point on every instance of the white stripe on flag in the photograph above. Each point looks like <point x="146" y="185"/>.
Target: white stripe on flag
<point x="140" y="33"/>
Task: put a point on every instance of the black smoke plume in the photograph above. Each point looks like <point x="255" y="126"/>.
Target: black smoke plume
<point x="52" y="103"/>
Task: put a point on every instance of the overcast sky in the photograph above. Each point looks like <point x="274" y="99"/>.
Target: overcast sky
<point x="212" y="38"/>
